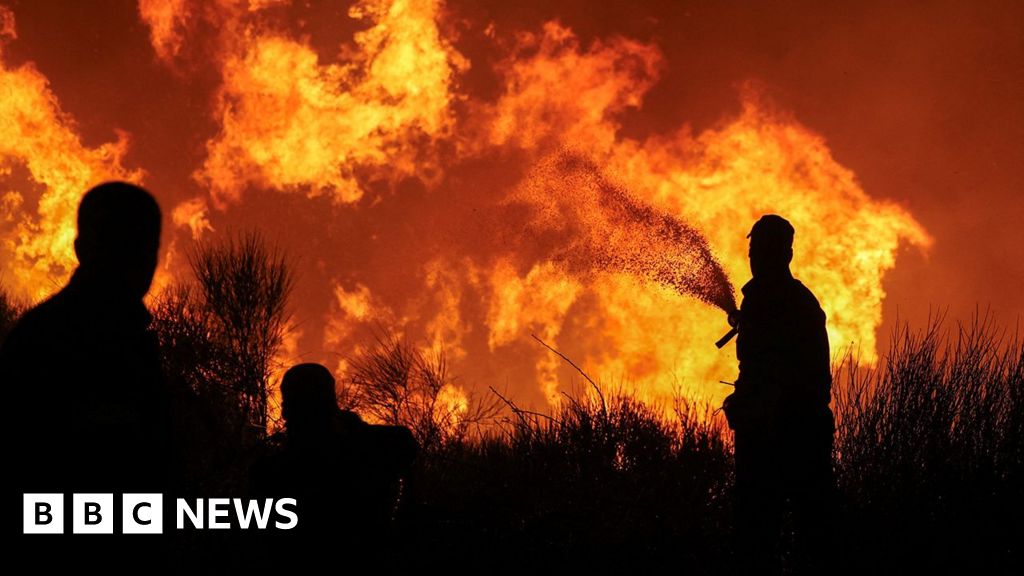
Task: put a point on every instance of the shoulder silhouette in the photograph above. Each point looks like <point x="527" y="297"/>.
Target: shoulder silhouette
<point x="346" y="475"/>
<point x="83" y="368"/>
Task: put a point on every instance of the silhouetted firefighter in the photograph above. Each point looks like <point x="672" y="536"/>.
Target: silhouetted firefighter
<point x="780" y="410"/>
<point x="345" y="474"/>
<point x="87" y="404"/>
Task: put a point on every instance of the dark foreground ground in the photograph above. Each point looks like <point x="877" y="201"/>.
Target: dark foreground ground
<point x="929" y="459"/>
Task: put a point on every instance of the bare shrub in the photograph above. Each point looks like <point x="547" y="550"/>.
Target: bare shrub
<point x="395" y="383"/>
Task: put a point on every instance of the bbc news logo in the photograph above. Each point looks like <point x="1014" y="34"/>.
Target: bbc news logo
<point x="143" y="514"/>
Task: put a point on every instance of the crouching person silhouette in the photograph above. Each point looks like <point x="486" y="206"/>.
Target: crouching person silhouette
<point x="346" y="475"/>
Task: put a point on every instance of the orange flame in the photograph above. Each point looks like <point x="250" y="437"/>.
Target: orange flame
<point x="39" y="143"/>
<point x="194" y="215"/>
<point x="290" y="122"/>
<point x="720" y="181"/>
<point x="166" y="19"/>
<point x="390" y="108"/>
<point x="556" y="93"/>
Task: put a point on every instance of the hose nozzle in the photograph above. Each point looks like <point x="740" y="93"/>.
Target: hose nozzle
<point x="734" y="321"/>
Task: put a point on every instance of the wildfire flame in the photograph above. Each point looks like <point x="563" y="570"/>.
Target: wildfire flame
<point x="40" y="149"/>
<point x="291" y="123"/>
<point x="504" y="189"/>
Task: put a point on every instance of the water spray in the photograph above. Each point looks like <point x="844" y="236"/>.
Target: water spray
<point x="599" y="225"/>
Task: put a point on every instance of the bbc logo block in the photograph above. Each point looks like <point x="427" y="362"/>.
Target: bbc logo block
<point x="142" y="514"/>
<point x="93" y="514"/>
<point x="90" y="513"/>
<point x="43" y="514"/>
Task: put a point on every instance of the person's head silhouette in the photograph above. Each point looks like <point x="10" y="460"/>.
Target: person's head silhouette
<point x="771" y="246"/>
<point x="118" y="239"/>
<point x="308" y="403"/>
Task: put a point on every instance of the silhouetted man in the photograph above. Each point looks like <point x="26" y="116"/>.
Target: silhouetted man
<point x="343" y="472"/>
<point x="780" y="409"/>
<point x="81" y="371"/>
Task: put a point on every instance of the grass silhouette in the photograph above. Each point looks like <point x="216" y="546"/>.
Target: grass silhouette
<point x="929" y="448"/>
